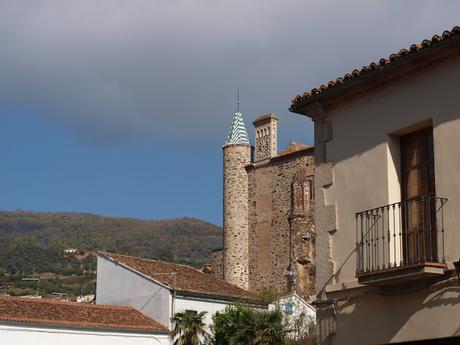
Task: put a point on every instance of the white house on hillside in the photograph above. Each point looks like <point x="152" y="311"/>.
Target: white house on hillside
<point x="47" y="322"/>
<point x="159" y="289"/>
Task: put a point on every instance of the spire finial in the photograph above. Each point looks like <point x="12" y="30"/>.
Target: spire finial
<point x="238" y="100"/>
<point x="238" y="133"/>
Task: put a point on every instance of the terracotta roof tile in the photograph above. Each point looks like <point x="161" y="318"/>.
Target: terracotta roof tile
<point x="382" y="64"/>
<point x="188" y="280"/>
<point x="75" y="315"/>
<point x="294" y="147"/>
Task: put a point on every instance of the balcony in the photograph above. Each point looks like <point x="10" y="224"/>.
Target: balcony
<point x="401" y="242"/>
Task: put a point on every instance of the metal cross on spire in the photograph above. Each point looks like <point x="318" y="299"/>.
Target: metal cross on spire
<point x="238" y="100"/>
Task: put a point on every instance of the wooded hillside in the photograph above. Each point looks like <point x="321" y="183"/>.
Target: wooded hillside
<point x="33" y="243"/>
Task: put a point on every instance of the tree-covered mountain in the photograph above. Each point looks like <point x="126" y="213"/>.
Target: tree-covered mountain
<point x="33" y="243"/>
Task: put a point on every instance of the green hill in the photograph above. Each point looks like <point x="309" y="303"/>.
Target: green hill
<point x="32" y="244"/>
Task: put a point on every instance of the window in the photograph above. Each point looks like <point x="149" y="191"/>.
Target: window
<point x="418" y="184"/>
<point x="288" y="308"/>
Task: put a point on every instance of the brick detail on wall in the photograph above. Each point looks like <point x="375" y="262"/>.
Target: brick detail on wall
<point x="281" y="226"/>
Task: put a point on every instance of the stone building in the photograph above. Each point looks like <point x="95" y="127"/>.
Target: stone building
<point x="268" y="212"/>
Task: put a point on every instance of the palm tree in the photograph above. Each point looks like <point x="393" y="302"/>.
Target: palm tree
<point x="260" y="327"/>
<point x="189" y="328"/>
<point x="241" y="325"/>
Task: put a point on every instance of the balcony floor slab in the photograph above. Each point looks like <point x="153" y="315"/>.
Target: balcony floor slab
<point x="397" y="275"/>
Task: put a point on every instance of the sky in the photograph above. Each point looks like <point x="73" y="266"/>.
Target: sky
<point x="121" y="107"/>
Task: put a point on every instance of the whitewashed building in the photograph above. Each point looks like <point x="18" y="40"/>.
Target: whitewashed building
<point x="47" y="322"/>
<point x="160" y="289"/>
<point x="298" y="314"/>
<point x="293" y="307"/>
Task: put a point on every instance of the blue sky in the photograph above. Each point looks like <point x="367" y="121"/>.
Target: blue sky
<point x="48" y="166"/>
<point x="120" y="107"/>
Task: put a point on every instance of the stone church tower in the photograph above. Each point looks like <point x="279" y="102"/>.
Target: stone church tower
<point x="237" y="155"/>
<point x="268" y="212"/>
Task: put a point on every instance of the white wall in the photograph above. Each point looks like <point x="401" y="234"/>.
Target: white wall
<point x="299" y="307"/>
<point x="20" y="335"/>
<point x="118" y="285"/>
<point x="211" y="307"/>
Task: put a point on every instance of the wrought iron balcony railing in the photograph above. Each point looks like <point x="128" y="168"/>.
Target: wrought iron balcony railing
<point x="400" y="235"/>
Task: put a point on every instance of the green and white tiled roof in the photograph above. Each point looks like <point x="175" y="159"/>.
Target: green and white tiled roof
<point x="238" y="133"/>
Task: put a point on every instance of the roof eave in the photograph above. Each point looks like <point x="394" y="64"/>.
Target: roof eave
<point x="356" y="86"/>
<point x="57" y="325"/>
<point x="217" y="297"/>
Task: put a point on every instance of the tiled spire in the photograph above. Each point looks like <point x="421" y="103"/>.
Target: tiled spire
<point x="238" y="133"/>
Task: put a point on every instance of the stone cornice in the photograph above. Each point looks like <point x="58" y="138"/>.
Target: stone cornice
<point x="281" y="159"/>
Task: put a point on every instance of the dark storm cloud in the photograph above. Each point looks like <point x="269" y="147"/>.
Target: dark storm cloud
<point x="170" y="68"/>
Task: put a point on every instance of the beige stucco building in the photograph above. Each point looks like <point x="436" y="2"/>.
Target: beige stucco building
<point x="387" y="199"/>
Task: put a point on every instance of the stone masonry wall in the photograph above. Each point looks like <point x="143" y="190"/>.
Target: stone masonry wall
<point x="270" y="213"/>
<point x="217" y="264"/>
<point x="235" y="253"/>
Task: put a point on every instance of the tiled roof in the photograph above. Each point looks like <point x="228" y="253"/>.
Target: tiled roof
<point x="238" y="133"/>
<point x="382" y="65"/>
<point x="75" y="315"/>
<point x="188" y="280"/>
<point x="292" y="152"/>
<point x="294" y="147"/>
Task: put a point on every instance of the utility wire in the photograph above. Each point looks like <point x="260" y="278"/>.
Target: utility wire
<point x="318" y="295"/>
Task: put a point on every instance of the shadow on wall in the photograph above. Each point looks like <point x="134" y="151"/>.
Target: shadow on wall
<point x="366" y="122"/>
<point x="400" y="315"/>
